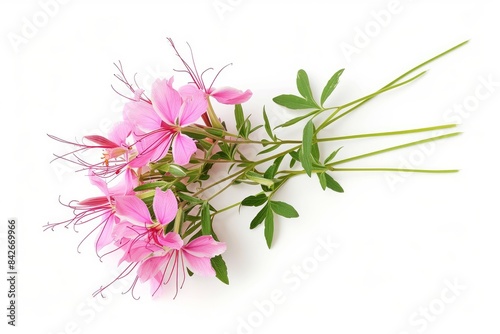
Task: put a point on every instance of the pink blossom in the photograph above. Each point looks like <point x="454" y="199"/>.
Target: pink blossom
<point x="161" y="266"/>
<point x="116" y="152"/>
<point x="225" y="95"/>
<point x="160" y="123"/>
<point x="100" y="207"/>
<point x="159" y="257"/>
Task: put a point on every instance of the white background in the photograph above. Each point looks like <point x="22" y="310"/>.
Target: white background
<point x="402" y="239"/>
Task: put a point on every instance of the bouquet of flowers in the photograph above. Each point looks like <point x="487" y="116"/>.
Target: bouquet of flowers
<point x="154" y="168"/>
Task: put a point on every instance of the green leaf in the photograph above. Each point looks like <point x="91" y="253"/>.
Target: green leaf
<point x="330" y="86"/>
<point x="259" y="218"/>
<point x="239" y="116"/>
<point x="283" y="209"/>
<point x="269" y="149"/>
<point x="255" y="177"/>
<point x="296" y="119"/>
<point x="306" y="158"/>
<point x="315" y="151"/>
<point x="269" y="227"/>
<point x="220" y="268"/>
<point x="322" y="180"/>
<point x="177" y="171"/>
<point x="257" y="200"/>
<point x="332" y="184"/>
<point x="152" y="185"/>
<point x="215" y="132"/>
<point x="206" y="222"/>
<point x="271" y="171"/>
<point x="304" y="87"/>
<point x="294" y="102"/>
<point x="267" y="126"/>
<point x="188" y="198"/>
<point x="332" y="155"/>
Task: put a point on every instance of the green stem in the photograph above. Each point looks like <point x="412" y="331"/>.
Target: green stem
<point x="393" y="148"/>
<point x="359" y="102"/>
<point x="226" y="208"/>
<point x="410" y="170"/>
<point x="392" y="84"/>
<point x="388" y="133"/>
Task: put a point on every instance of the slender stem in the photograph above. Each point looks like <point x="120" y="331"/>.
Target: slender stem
<point x="393" y="148"/>
<point x="391" y="84"/>
<point x="226" y="208"/>
<point x="389" y="133"/>
<point x="372" y="169"/>
<point x="410" y="170"/>
<point x="359" y="102"/>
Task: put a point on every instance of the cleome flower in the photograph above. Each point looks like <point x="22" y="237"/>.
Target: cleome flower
<point x="159" y="123"/>
<point x="158" y="257"/>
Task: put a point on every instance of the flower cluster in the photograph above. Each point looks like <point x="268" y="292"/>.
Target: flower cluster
<point x="155" y="166"/>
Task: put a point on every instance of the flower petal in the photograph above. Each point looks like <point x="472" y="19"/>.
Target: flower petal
<point x="142" y="115"/>
<point x="195" y="104"/>
<point x="132" y="209"/>
<point x="150" y="267"/>
<point x="166" y="100"/>
<point x="183" y="148"/>
<point x="199" y="265"/>
<point x="120" y="132"/>
<point x="172" y="240"/>
<point x="99" y="183"/>
<point x="205" y="246"/>
<point x="229" y="95"/>
<point x="164" y="206"/>
<point x="106" y="236"/>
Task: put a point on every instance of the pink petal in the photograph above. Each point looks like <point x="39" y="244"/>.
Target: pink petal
<point x="229" y="95"/>
<point x="94" y="201"/>
<point x="99" y="183"/>
<point x="183" y="148"/>
<point x="150" y="267"/>
<point x="205" y="246"/>
<point x="166" y="100"/>
<point x="106" y="236"/>
<point x="126" y="185"/>
<point x="120" y="132"/>
<point x="132" y="209"/>
<point x="142" y="115"/>
<point x="164" y="206"/>
<point x="171" y="240"/>
<point x="151" y="147"/>
<point x="138" y="250"/>
<point x="101" y="141"/>
<point x="195" y="104"/>
<point x="126" y="230"/>
<point x="199" y="265"/>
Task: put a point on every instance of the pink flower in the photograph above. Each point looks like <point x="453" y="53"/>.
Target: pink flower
<point x="100" y="207"/>
<point x="160" y="122"/>
<point x="135" y="211"/>
<point x="171" y="261"/>
<point x="159" y="257"/>
<point x="225" y="95"/>
<point x="116" y="151"/>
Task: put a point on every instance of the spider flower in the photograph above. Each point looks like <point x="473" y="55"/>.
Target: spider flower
<point x="159" y="123"/>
